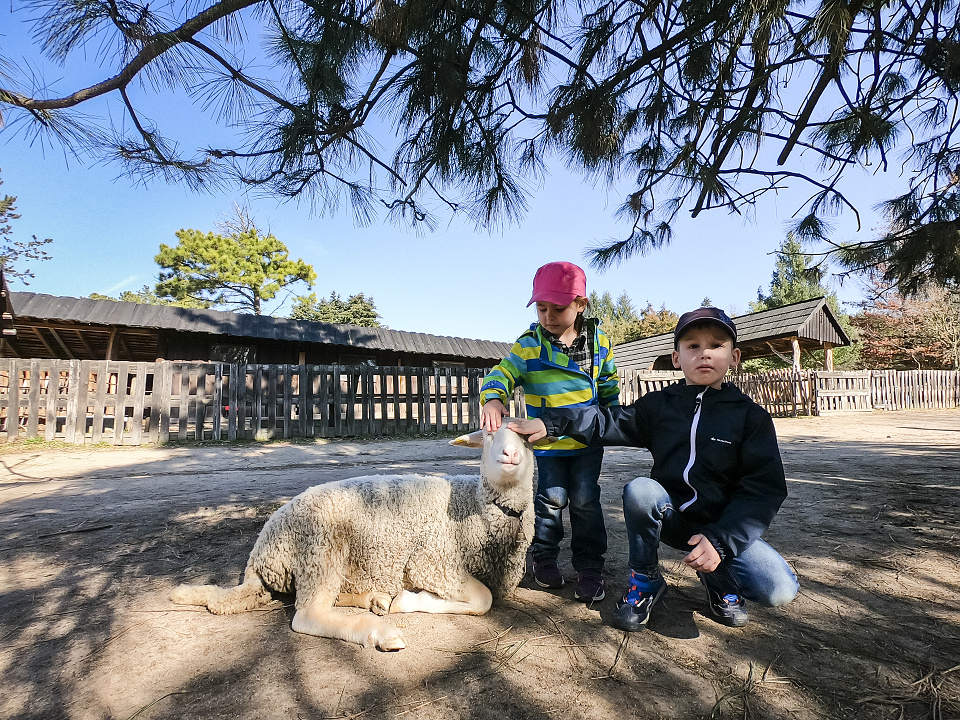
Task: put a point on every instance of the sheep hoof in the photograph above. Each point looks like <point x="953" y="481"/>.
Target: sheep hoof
<point x="391" y="644"/>
<point x="380" y="603"/>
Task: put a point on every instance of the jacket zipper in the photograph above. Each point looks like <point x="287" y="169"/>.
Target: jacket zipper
<point x="693" y="450"/>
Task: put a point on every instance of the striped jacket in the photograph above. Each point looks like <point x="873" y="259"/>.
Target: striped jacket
<point x="551" y="379"/>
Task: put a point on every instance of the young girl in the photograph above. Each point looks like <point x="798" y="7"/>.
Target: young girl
<point x="564" y="360"/>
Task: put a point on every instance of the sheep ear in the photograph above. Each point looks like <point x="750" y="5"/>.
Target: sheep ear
<point x="474" y="439"/>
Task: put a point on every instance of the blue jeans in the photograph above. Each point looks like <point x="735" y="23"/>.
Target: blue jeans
<point x="759" y="573"/>
<point x="573" y="480"/>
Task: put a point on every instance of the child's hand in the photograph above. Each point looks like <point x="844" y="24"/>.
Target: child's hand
<point x="491" y="415"/>
<point x="533" y="428"/>
<point x="704" y="556"/>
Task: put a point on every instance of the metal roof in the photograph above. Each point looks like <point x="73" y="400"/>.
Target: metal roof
<point x="84" y="311"/>
<point x="812" y="321"/>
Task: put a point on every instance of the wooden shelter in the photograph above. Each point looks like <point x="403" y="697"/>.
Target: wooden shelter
<point x="784" y="331"/>
<point x="67" y="328"/>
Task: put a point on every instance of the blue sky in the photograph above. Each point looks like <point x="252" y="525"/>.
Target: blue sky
<point x="453" y="281"/>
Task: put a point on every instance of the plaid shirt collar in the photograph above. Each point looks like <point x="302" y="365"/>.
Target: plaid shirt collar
<point x="580" y="350"/>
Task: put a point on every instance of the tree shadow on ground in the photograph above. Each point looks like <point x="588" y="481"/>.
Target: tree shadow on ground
<point x="88" y="633"/>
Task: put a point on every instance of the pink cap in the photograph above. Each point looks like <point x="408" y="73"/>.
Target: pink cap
<point x="559" y="283"/>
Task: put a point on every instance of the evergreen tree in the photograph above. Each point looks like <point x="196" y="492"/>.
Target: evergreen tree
<point x="795" y="279"/>
<point x="14" y="252"/>
<point x="239" y="271"/>
<point x="621" y="321"/>
<point x="147" y="296"/>
<point x="356" y="310"/>
<point x="687" y="97"/>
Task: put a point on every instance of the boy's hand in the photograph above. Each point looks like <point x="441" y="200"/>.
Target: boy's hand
<point x="491" y="415"/>
<point x="704" y="556"/>
<point x="533" y="428"/>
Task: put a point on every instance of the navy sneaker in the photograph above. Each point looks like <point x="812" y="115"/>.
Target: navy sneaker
<point x="547" y="575"/>
<point x="726" y="608"/>
<point x="590" y="587"/>
<point x="633" y="612"/>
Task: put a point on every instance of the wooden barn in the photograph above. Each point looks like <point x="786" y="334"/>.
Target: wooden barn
<point x="67" y="328"/>
<point x="784" y="331"/>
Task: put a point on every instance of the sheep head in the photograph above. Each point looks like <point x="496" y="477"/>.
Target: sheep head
<point x="507" y="456"/>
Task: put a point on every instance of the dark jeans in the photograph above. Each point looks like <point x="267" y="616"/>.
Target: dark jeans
<point x="570" y="480"/>
<point x="758" y="573"/>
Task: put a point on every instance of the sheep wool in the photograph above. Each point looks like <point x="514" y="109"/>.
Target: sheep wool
<point x="392" y="543"/>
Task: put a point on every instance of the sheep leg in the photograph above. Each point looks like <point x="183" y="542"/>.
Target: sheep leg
<point x="376" y="602"/>
<point x="473" y="599"/>
<point x="317" y="617"/>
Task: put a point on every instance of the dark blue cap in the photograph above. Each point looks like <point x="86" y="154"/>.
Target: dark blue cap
<point x="705" y="315"/>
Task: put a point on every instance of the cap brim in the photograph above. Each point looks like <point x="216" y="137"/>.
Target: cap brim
<point x="561" y="299"/>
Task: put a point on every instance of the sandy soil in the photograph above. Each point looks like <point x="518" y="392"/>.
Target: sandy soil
<point x="93" y="540"/>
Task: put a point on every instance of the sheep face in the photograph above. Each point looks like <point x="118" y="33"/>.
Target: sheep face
<point x="507" y="457"/>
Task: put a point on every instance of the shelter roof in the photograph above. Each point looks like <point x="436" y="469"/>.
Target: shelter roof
<point x="767" y="332"/>
<point x="77" y="312"/>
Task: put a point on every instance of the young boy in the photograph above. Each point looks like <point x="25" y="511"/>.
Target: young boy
<point x="717" y="478"/>
<point x="562" y="360"/>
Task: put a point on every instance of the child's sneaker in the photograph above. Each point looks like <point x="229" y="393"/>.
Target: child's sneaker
<point x="726" y="608"/>
<point x="590" y="587"/>
<point x="547" y="575"/>
<point x="633" y="612"/>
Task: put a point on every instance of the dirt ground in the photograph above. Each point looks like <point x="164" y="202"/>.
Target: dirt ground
<point x="93" y="540"/>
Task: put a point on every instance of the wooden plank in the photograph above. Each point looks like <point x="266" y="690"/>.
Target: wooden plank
<point x="305" y="417"/>
<point x="202" y="400"/>
<point x="183" y="419"/>
<point x="53" y="391"/>
<point x="73" y="396"/>
<point x="139" y="400"/>
<point x="287" y="382"/>
<point x="236" y="378"/>
<point x="369" y="401"/>
<point x="397" y="425"/>
<point x="33" y="399"/>
<point x="327" y="401"/>
<point x="216" y="427"/>
<point x="383" y="376"/>
<point x="256" y="416"/>
<point x="351" y="421"/>
<point x="163" y="394"/>
<point x="120" y="403"/>
<point x="271" y="399"/>
<point x="409" y="381"/>
<point x="102" y="369"/>
<point x="448" y="386"/>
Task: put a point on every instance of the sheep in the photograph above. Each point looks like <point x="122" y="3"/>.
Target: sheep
<point x="392" y="544"/>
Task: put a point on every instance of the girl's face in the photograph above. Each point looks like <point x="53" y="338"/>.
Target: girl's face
<point x="558" y="319"/>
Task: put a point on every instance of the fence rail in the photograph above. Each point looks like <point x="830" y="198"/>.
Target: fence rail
<point x="85" y="401"/>
<point x="789" y="393"/>
<point x="125" y="403"/>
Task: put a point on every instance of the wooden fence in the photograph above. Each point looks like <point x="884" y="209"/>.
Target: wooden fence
<point x="121" y="403"/>
<point x="85" y="401"/>
<point x="790" y="393"/>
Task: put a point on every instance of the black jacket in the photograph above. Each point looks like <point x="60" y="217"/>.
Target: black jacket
<point x="730" y="485"/>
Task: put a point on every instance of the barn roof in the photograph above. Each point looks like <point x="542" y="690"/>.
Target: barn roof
<point x="762" y="333"/>
<point x="35" y="308"/>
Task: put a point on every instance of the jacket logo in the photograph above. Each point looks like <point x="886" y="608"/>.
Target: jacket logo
<point x="725" y="442"/>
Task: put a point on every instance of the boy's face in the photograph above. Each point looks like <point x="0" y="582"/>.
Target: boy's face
<point x="705" y="354"/>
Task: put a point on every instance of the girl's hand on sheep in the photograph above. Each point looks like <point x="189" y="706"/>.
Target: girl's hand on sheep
<point x="491" y="415"/>
<point x="533" y="428"/>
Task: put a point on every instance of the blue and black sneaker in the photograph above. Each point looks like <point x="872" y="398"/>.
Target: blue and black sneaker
<point x="633" y="611"/>
<point x="726" y="608"/>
